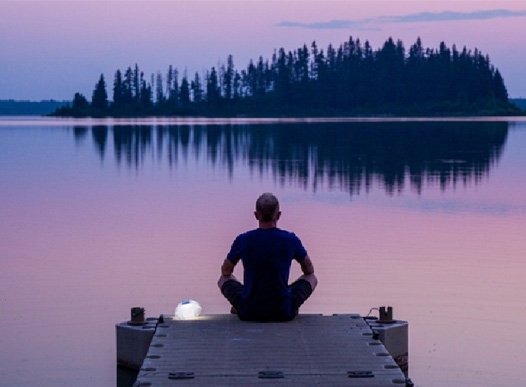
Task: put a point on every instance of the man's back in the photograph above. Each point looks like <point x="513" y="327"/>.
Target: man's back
<point x="266" y="255"/>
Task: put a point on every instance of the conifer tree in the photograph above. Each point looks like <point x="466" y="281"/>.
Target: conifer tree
<point x="185" y="92"/>
<point x="99" y="99"/>
<point x="146" y="101"/>
<point x="136" y="84"/>
<point x="127" y="87"/>
<point x="159" y="93"/>
<point x="237" y="93"/>
<point x="501" y="94"/>
<point x="118" y="91"/>
<point x="228" y="78"/>
<point x="80" y="102"/>
<point x="213" y="92"/>
<point x="197" y="89"/>
<point x="172" y="88"/>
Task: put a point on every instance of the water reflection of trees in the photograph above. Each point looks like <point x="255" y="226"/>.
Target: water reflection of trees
<point x="348" y="156"/>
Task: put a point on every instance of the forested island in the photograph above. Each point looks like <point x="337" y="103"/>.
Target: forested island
<point x="351" y="79"/>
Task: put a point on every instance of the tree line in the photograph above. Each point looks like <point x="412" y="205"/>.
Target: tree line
<point x="349" y="79"/>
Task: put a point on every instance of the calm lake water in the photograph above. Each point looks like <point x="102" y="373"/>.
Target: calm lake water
<point x="99" y="216"/>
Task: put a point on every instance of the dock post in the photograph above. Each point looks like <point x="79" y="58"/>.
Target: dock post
<point x="133" y="339"/>
<point x="394" y="335"/>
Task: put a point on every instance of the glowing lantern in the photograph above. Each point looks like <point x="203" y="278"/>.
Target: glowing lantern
<point x="187" y="310"/>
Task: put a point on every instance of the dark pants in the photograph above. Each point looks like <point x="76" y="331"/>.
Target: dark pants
<point x="300" y="290"/>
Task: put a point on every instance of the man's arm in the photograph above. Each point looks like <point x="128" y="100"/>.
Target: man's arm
<point x="308" y="272"/>
<point x="306" y="266"/>
<point x="227" y="268"/>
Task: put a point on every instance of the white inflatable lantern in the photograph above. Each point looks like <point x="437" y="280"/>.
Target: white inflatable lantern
<point x="187" y="310"/>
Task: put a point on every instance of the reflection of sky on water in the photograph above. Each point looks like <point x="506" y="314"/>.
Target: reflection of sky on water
<point x="88" y="235"/>
<point x="447" y="205"/>
<point x="465" y="207"/>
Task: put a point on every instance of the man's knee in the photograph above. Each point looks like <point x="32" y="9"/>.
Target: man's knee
<point x="225" y="278"/>
<point x="301" y="290"/>
<point x="311" y="279"/>
<point x="232" y="289"/>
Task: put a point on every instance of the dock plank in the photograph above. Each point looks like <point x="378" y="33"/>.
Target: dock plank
<point x="310" y="350"/>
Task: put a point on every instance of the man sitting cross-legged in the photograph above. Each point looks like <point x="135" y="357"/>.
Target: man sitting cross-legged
<point x="267" y="253"/>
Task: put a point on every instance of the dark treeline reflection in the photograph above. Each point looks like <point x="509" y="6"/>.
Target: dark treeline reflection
<point x="348" y="156"/>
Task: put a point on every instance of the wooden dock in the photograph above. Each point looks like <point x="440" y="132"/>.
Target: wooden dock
<point x="220" y="350"/>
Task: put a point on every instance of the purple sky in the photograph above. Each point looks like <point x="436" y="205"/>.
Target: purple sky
<point x="51" y="49"/>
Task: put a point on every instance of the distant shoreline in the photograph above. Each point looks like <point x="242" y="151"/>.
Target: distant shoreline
<point x="11" y="107"/>
<point x="47" y="107"/>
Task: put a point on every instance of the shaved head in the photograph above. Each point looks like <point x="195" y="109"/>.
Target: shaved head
<point x="267" y="207"/>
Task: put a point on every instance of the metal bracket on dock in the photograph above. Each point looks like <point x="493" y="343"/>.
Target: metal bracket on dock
<point x="269" y="374"/>
<point x="181" y="375"/>
<point x="360" y="374"/>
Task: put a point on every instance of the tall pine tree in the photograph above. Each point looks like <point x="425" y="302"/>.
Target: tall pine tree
<point x="99" y="99"/>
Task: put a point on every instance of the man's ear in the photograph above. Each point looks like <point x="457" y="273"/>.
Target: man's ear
<point x="278" y="215"/>
<point x="256" y="215"/>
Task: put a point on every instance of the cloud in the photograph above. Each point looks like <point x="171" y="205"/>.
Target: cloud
<point x="449" y="16"/>
<point x="411" y="18"/>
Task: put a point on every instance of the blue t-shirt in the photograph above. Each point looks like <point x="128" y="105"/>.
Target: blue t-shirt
<point x="266" y="255"/>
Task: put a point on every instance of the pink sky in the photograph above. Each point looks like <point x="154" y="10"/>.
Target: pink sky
<point x="51" y="49"/>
